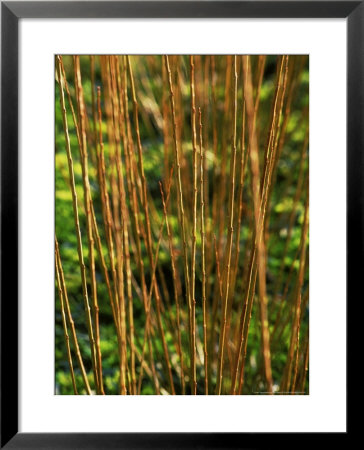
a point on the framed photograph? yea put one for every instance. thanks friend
(181, 221)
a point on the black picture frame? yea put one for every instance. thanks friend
(11, 12)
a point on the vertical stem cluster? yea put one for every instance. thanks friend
(187, 182)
